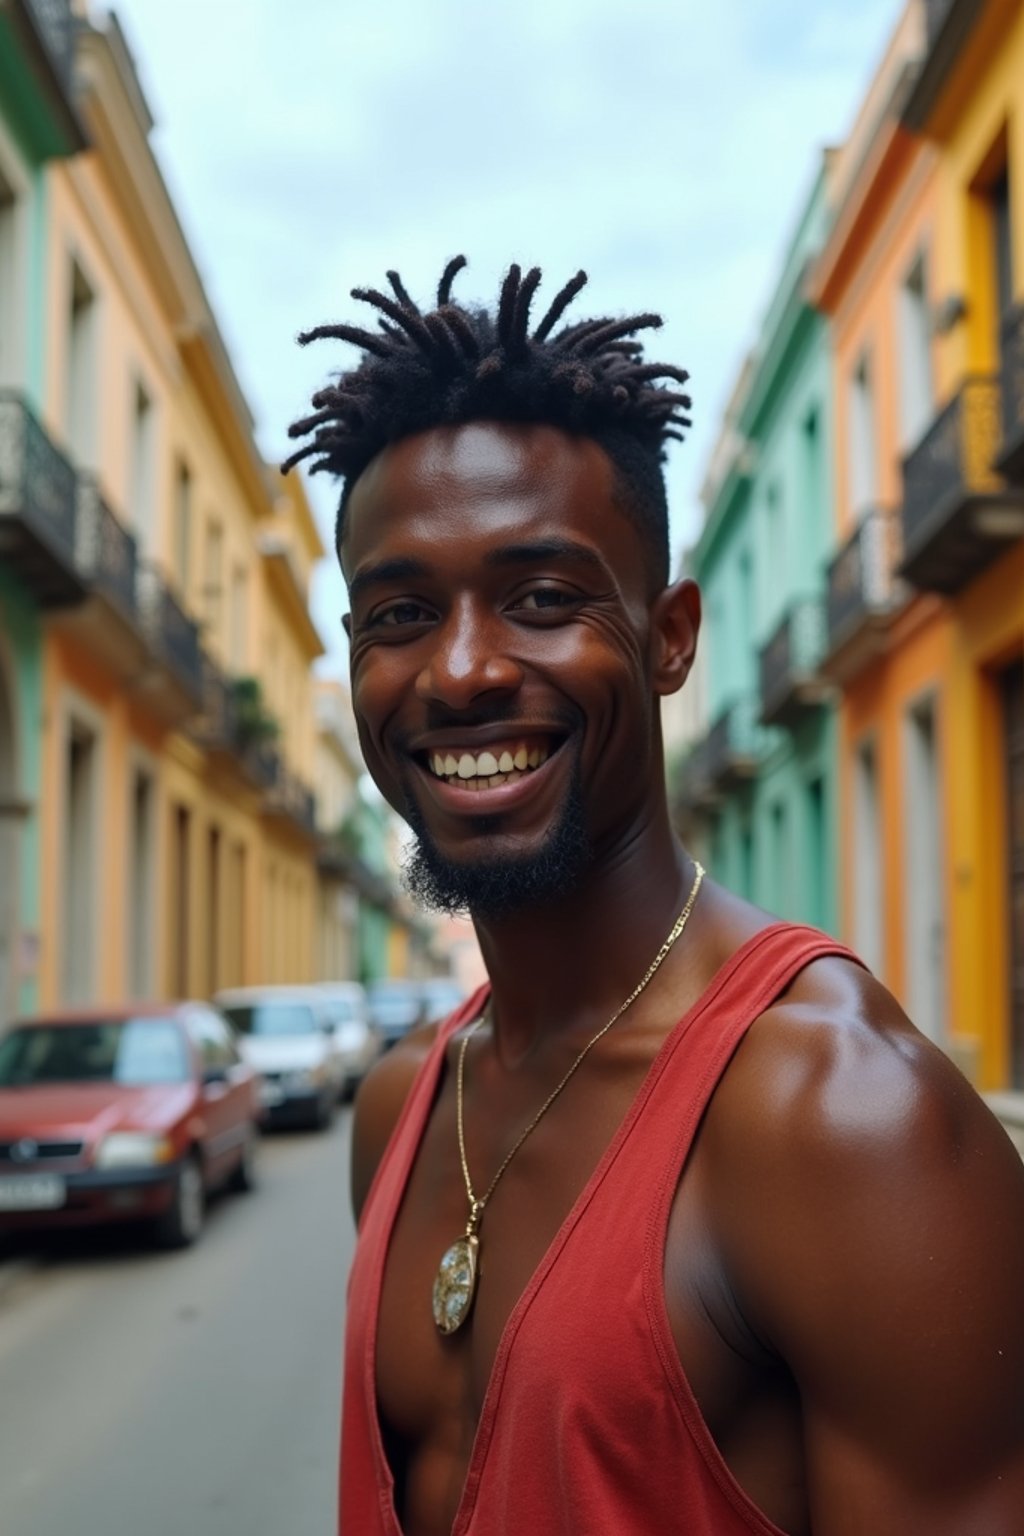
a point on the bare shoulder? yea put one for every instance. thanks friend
(869, 1212)
(379, 1104)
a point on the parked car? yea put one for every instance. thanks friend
(357, 1042)
(121, 1114)
(287, 1035)
(396, 1006)
(440, 995)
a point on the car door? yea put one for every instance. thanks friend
(226, 1090)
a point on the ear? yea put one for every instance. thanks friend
(675, 625)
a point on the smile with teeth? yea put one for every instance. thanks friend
(486, 770)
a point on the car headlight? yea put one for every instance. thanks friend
(133, 1149)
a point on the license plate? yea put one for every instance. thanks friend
(32, 1192)
(271, 1094)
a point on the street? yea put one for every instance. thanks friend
(149, 1394)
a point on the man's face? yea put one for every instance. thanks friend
(500, 677)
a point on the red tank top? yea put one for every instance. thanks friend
(588, 1427)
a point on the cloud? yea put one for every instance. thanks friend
(664, 146)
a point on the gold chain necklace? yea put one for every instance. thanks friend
(457, 1273)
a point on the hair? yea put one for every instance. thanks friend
(453, 364)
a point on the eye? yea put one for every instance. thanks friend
(406, 612)
(543, 598)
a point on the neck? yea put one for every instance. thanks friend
(568, 965)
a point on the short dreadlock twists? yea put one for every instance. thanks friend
(454, 364)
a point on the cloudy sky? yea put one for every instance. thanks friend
(664, 145)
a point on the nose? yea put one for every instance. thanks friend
(467, 661)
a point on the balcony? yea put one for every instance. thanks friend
(288, 798)
(792, 683)
(37, 508)
(216, 729)
(957, 515)
(174, 681)
(108, 622)
(864, 594)
(1011, 379)
(729, 755)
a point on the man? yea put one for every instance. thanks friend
(680, 1225)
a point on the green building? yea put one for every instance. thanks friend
(761, 783)
(37, 125)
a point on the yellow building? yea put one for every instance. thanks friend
(963, 508)
(177, 829)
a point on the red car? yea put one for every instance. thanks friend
(122, 1114)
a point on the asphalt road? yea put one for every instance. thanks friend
(188, 1394)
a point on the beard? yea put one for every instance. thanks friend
(500, 885)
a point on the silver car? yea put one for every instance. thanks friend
(357, 1041)
(287, 1035)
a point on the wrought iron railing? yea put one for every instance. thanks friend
(1011, 376)
(735, 744)
(956, 454)
(861, 578)
(171, 634)
(37, 484)
(793, 653)
(105, 552)
(288, 795)
(55, 24)
(217, 725)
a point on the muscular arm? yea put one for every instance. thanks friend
(872, 1220)
(378, 1105)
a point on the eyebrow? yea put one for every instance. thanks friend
(385, 571)
(405, 569)
(547, 549)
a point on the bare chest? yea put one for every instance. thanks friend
(432, 1389)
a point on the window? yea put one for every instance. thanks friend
(141, 511)
(867, 862)
(862, 470)
(1002, 241)
(213, 580)
(924, 927)
(182, 526)
(238, 623)
(11, 305)
(80, 873)
(179, 905)
(140, 886)
(915, 360)
(81, 382)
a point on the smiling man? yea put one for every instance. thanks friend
(679, 1225)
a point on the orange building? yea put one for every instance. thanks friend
(926, 592)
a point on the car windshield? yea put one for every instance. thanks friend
(133, 1052)
(272, 1018)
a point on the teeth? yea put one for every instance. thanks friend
(486, 770)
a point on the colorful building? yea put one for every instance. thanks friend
(962, 510)
(888, 648)
(762, 779)
(38, 125)
(174, 722)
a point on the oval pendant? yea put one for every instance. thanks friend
(455, 1285)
